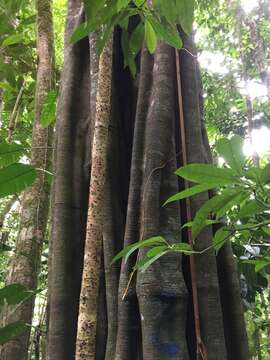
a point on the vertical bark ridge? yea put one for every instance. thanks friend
(161, 290)
(70, 193)
(207, 280)
(128, 318)
(231, 302)
(117, 182)
(232, 307)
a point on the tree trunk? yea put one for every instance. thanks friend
(232, 307)
(71, 188)
(34, 211)
(148, 316)
(259, 54)
(87, 322)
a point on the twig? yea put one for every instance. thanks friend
(12, 120)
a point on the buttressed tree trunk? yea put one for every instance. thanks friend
(34, 210)
(153, 318)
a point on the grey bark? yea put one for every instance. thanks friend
(34, 210)
(70, 193)
(208, 288)
(154, 320)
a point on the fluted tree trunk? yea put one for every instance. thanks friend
(152, 318)
(25, 263)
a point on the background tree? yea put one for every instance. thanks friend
(25, 264)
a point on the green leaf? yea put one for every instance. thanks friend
(122, 4)
(265, 175)
(6, 86)
(221, 236)
(156, 250)
(129, 59)
(207, 174)
(139, 2)
(182, 247)
(81, 32)
(11, 331)
(108, 28)
(260, 264)
(167, 32)
(266, 230)
(13, 39)
(10, 153)
(232, 152)
(28, 21)
(150, 37)
(49, 109)
(92, 7)
(136, 39)
(250, 208)
(12, 7)
(128, 250)
(212, 205)
(253, 173)
(167, 9)
(185, 12)
(103, 17)
(207, 223)
(189, 192)
(144, 264)
(238, 200)
(14, 294)
(7, 72)
(5, 27)
(15, 178)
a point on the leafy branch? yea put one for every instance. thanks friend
(156, 20)
(242, 194)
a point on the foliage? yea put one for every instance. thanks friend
(241, 206)
(17, 67)
(14, 295)
(223, 72)
(14, 177)
(160, 248)
(155, 20)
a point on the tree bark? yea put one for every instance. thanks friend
(70, 198)
(207, 279)
(232, 307)
(34, 210)
(87, 322)
(154, 319)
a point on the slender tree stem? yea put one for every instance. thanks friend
(12, 120)
(87, 322)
